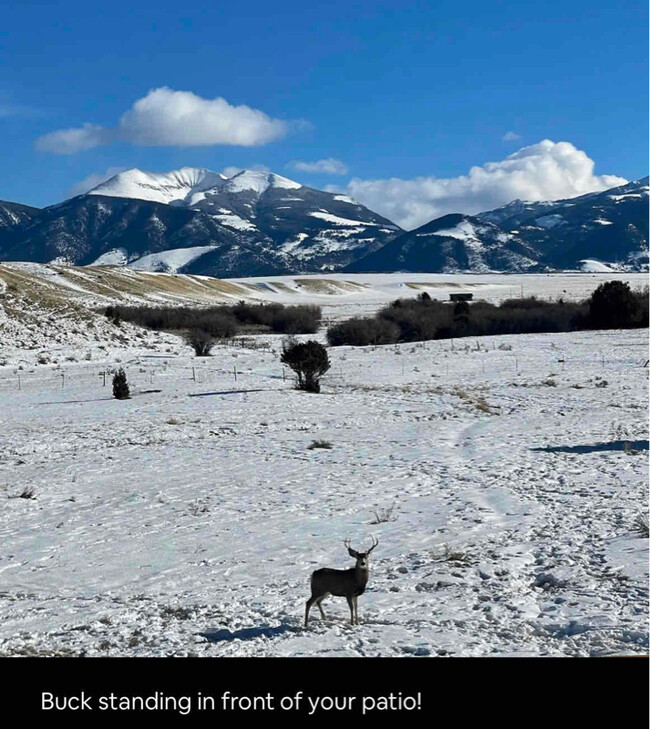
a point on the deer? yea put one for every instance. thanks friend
(343, 583)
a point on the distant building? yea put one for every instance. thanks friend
(460, 297)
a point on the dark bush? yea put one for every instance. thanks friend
(421, 319)
(309, 361)
(613, 306)
(643, 300)
(361, 332)
(120, 385)
(296, 320)
(201, 342)
(530, 302)
(416, 320)
(222, 321)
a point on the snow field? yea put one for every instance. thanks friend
(187, 520)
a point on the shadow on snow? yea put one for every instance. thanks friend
(264, 631)
(613, 445)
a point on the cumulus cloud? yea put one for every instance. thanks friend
(93, 179)
(511, 137)
(329, 166)
(165, 117)
(543, 171)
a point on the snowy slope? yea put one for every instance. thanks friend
(504, 477)
(187, 520)
(610, 227)
(178, 186)
(452, 243)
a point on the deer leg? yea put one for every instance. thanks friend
(351, 606)
(310, 602)
(356, 609)
(320, 608)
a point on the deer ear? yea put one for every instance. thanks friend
(352, 553)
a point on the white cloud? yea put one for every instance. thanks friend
(511, 137)
(165, 117)
(543, 171)
(94, 179)
(70, 141)
(231, 171)
(329, 166)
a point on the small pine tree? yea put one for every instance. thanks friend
(613, 306)
(309, 361)
(120, 385)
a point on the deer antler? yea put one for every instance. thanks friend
(375, 542)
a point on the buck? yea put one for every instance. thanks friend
(342, 583)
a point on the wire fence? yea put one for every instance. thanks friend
(417, 361)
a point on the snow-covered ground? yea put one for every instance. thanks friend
(507, 475)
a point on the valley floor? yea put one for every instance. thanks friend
(507, 474)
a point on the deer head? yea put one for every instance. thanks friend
(361, 557)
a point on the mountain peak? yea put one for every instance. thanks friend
(164, 187)
(258, 181)
(187, 185)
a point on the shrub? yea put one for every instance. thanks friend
(642, 526)
(201, 342)
(296, 320)
(309, 361)
(383, 516)
(417, 321)
(360, 332)
(222, 321)
(120, 385)
(613, 306)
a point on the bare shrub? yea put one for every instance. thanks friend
(641, 525)
(385, 515)
(449, 555)
(319, 444)
(201, 342)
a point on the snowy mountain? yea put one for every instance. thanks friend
(176, 187)
(257, 223)
(93, 229)
(197, 221)
(610, 227)
(14, 214)
(304, 228)
(451, 244)
(599, 231)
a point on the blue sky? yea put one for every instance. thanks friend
(419, 91)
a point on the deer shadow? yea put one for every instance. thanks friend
(221, 635)
(613, 445)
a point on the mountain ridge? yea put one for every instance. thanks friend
(250, 223)
(194, 220)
